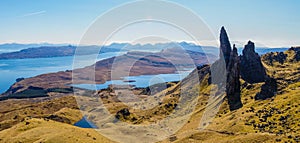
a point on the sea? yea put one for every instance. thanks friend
(12, 69)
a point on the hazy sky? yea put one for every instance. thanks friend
(273, 23)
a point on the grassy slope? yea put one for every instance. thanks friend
(63, 109)
(48, 131)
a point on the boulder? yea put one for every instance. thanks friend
(123, 114)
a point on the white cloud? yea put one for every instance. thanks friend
(34, 13)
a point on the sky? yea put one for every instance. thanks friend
(270, 23)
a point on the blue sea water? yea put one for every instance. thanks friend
(12, 69)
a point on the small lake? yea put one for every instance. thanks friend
(15, 68)
(84, 123)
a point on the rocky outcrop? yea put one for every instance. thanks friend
(248, 66)
(297, 53)
(280, 57)
(268, 90)
(225, 47)
(292, 55)
(123, 114)
(228, 66)
(233, 84)
(252, 70)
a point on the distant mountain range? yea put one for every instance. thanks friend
(22, 51)
(13, 47)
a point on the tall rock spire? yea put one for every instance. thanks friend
(225, 47)
(252, 69)
(226, 72)
(233, 85)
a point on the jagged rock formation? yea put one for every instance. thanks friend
(232, 72)
(252, 70)
(248, 66)
(233, 85)
(225, 47)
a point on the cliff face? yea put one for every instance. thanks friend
(252, 70)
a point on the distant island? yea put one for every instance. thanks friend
(52, 51)
(41, 52)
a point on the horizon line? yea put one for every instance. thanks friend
(142, 44)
